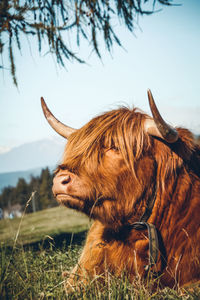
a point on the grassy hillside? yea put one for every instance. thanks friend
(38, 226)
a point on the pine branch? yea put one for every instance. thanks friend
(49, 20)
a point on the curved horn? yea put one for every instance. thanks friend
(59, 127)
(158, 127)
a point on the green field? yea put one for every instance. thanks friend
(37, 248)
(37, 227)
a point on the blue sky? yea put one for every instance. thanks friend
(164, 55)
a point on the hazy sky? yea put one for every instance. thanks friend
(164, 55)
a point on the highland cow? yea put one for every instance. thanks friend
(139, 180)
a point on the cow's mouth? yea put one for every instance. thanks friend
(68, 196)
(61, 195)
(70, 201)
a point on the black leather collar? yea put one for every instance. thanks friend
(153, 242)
(152, 232)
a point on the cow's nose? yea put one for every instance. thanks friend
(66, 179)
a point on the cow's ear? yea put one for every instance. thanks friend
(157, 126)
(58, 126)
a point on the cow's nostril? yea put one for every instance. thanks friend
(66, 179)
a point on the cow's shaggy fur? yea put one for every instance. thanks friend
(114, 169)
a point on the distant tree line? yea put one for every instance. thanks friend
(21, 193)
(41, 184)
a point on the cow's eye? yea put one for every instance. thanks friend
(115, 148)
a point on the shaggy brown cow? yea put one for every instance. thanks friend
(126, 171)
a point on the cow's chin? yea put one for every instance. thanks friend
(70, 201)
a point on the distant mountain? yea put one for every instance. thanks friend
(11, 178)
(32, 155)
(29, 159)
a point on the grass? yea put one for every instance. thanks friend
(38, 226)
(34, 274)
(37, 275)
(30, 272)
